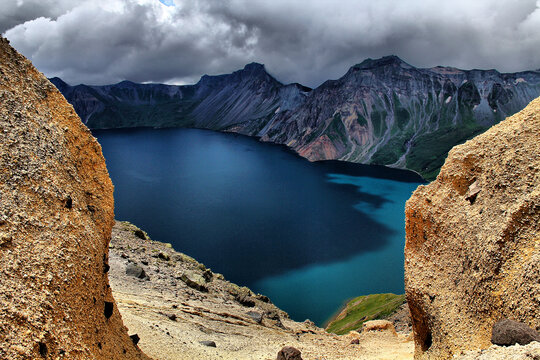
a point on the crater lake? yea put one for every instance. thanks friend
(309, 236)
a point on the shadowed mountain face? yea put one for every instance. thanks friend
(382, 111)
(249, 95)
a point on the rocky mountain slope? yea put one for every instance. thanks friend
(472, 254)
(182, 310)
(56, 215)
(382, 111)
(216, 102)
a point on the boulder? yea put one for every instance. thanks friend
(56, 215)
(508, 332)
(136, 271)
(255, 316)
(472, 253)
(194, 280)
(289, 353)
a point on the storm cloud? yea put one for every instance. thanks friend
(106, 41)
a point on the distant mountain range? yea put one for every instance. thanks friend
(381, 111)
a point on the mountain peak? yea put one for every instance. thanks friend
(254, 66)
(126, 83)
(59, 83)
(389, 60)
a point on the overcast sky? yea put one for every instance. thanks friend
(177, 41)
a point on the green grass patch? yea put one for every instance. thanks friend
(361, 120)
(336, 130)
(362, 309)
(378, 120)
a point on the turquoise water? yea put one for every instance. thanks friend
(308, 235)
(322, 289)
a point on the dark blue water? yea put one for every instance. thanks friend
(308, 235)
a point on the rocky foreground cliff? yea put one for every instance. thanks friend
(56, 215)
(381, 111)
(472, 255)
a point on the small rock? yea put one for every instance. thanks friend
(208, 343)
(272, 314)
(309, 323)
(255, 316)
(178, 258)
(208, 275)
(135, 338)
(473, 191)
(194, 280)
(245, 300)
(509, 332)
(263, 298)
(379, 325)
(289, 353)
(355, 341)
(136, 271)
(220, 276)
(279, 324)
(164, 256)
(172, 317)
(140, 234)
(5, 238)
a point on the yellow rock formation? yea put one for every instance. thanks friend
(472, 254)
(56, 215)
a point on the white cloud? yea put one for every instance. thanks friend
(104, 41)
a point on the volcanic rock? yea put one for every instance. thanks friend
(472, 261)
(136, 271)
(56, 215)
(508, 332)
(255, 316)
(289, 353)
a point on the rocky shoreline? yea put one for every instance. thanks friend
(179, 309)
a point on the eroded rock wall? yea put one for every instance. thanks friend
(472, 254)
(56, 215)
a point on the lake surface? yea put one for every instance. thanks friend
(308, 235)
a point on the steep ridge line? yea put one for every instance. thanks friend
(381, 111)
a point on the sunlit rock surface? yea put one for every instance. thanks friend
(472, 255)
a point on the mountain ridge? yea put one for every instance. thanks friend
(382, 111)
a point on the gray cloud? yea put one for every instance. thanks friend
(105, 41)
(16, 12)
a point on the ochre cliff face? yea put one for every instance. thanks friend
(56, 215)
(472, 254)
